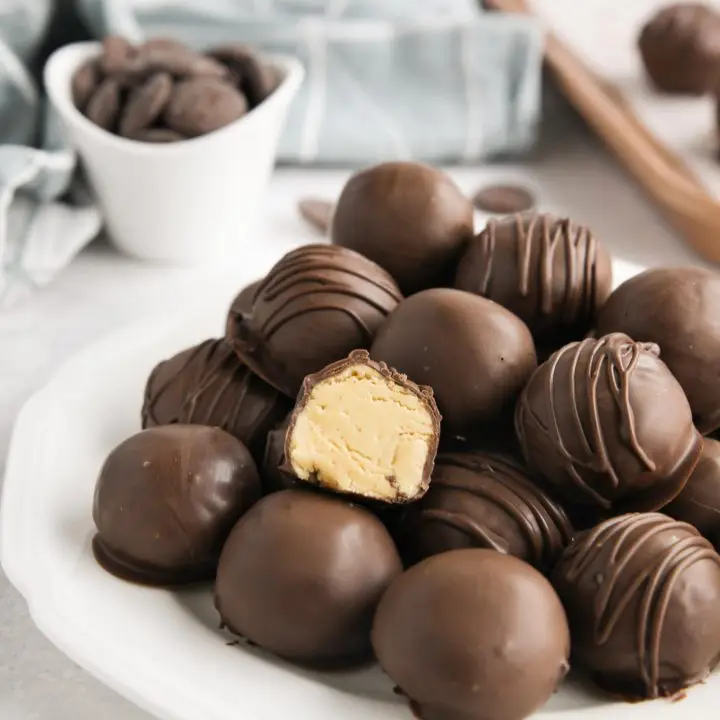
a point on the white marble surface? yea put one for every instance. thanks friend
(101, 291)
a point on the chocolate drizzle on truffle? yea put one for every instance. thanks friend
(208, 385)
(288, 286)
(316, 305)
(551, 272)
(578, 421)
(645, 591)
(492, 501)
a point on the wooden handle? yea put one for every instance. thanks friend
(662, 173)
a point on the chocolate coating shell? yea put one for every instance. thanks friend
(409, 218)
(488, 501)
(316, 304)
(680, 48)
(552, 273)
(208, 385)
(165, 501)
(274, 469)
(301, 576)
(607, 424)
(642, 594)
(699, 501)
(473, 353)
(241, 305)
(679, 309)
(472, 635)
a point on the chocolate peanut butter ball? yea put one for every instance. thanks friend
(472, 635)
(208, 385)
(409, 218)
(679, 309)
(361, 428)
(316, 304)
(485, 500)
(473, 353)
(642, 594)
(680, 48)
(166, 500)
(550, 272)
(301, 576)
(699, 502)
(605, 423)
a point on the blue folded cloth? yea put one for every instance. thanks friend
(437, 80)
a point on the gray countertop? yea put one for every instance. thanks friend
(102, 291)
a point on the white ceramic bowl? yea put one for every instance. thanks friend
(188, 202)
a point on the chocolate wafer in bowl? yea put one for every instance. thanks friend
(167, 196)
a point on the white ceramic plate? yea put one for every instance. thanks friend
(164, 650)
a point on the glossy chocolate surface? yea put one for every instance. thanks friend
(473, 353)
(699, 501)
(679, 309)
(409, 218)
(607, 424)
(301, 576)
(642, 594)
(316, 304)
(485, 500)
(503, 199)
(472, 635)
(208, 385)
(550, 272)
(165, 501)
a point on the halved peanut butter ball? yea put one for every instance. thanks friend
(361, 428)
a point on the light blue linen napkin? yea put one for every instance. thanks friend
(438, 80)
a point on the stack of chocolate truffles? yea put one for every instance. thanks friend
(417, 426)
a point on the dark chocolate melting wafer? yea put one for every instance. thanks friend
(256, 79)
(503, 199)
(317, 213)
(361, 428)
(203, 104)
(170, 56)
(85, 82)
(118, 56)
(103, 108)
(158, 135)
(145, 104)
